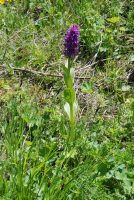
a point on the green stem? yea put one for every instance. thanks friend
(71, 113)
(68, 77)
(72, 123)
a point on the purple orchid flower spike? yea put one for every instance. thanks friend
(71, 41)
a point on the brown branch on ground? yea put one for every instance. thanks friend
(37, 73)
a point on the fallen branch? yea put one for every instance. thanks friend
(37, 73)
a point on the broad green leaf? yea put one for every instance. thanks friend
(108, 30)
(67, 109)
(120, 176)
(87, 87)
(66, 63)
(75, 107)
(28, 143)
(126, 88)
(69, 95)
(67, 78)
(113, 19)
(72, 73)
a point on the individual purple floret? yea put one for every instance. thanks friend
(71, 41)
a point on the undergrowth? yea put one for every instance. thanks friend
(36, 161)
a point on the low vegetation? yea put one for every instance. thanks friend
(38, 160)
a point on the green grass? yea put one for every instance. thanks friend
(36, 161)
